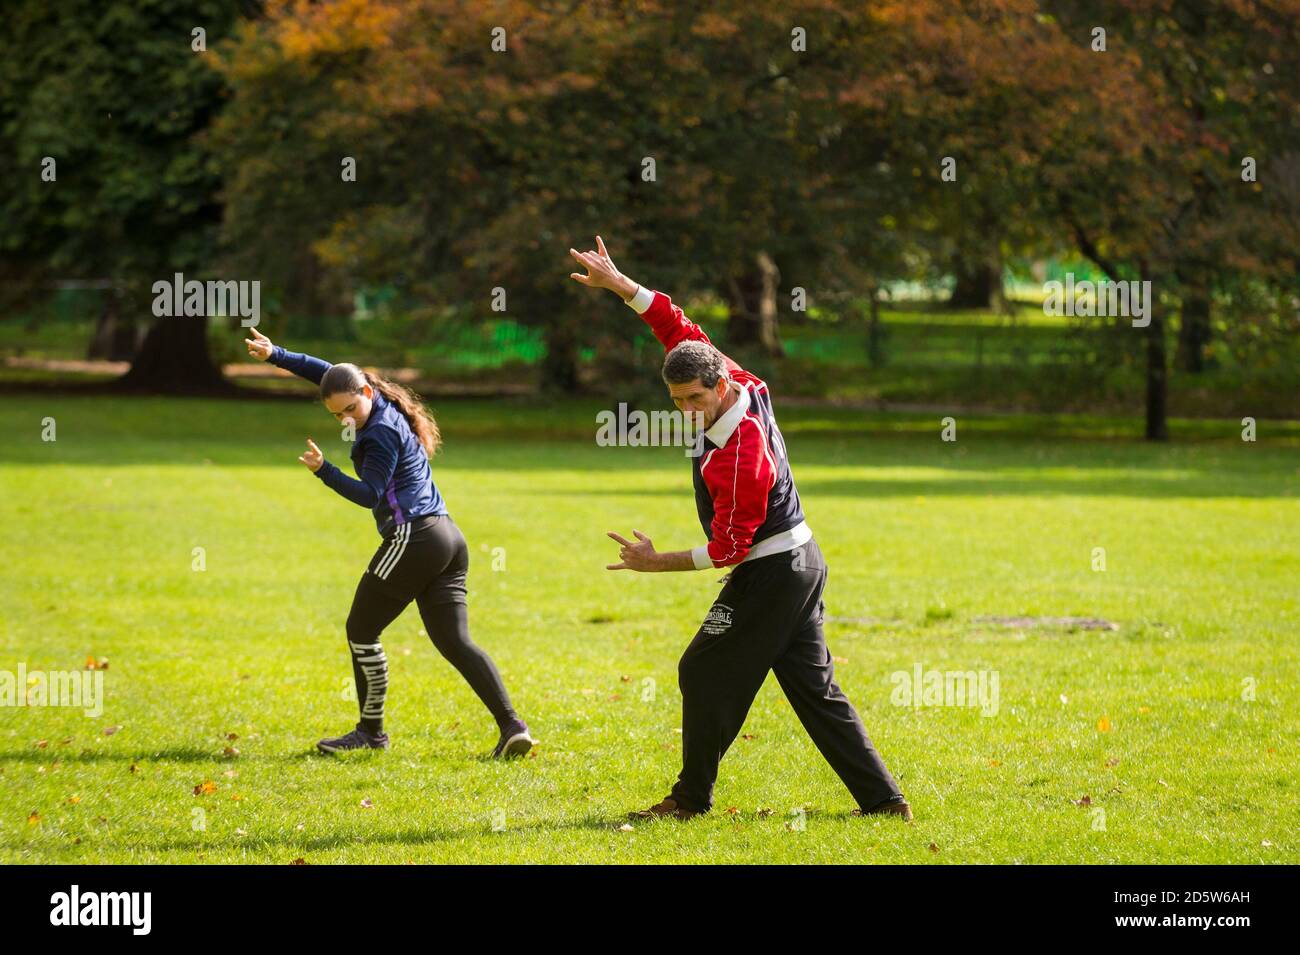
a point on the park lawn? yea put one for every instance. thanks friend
(1170, 739)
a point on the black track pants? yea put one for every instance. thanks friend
(427, 561)
(769, 617)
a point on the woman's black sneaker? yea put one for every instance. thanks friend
(357, 739)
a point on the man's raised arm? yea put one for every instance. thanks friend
(666, 320)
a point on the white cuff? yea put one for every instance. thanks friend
(700, 555)
(642, 300)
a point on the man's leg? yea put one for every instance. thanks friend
(807, 675)
(724, 667)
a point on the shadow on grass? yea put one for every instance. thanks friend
(1199, 484)
(412, 836)
(433, 835)
(561, 435)
(179, 754)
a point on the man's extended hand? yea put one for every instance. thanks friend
(601, 271)
(643, 556)
(638, 556)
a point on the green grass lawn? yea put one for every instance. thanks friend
(1128, 745)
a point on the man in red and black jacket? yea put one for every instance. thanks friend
(769, 613)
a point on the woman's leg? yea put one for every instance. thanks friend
(446, 619)
(373, 609)
(448, 627)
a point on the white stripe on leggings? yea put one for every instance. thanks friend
(401, 537)
(392, 546)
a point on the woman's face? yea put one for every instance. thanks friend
(355, 406)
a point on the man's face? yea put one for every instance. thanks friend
(693, 397)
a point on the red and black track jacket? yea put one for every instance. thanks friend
(745, 495)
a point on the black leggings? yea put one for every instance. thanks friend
(425, 560)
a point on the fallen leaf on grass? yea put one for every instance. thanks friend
(1085, 801)
(110, 730)
(33, 819)
(934, 847)
(204, 788)
(1103, 725)
(626, 827)
(367, 804)
(299, 861)
(73, 800)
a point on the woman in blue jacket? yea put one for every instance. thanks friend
(423, 556)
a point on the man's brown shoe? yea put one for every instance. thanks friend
(668, 807)
(896, 808)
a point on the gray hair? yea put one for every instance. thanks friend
(694, 359)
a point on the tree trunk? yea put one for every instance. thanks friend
(116, 337)
(752, 308)
(875, 336)
(174, 359)
(979, 283)
(560, 365)
(1157, 424)
(1194, 326)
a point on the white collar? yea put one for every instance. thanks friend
(720, 431)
